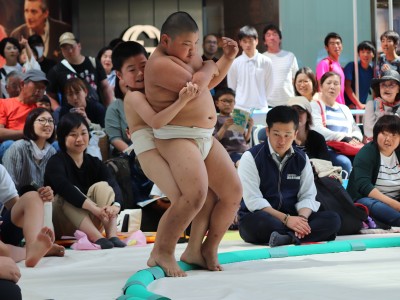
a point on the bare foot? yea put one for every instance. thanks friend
(167, 263)
(39, 247)
(56, 250)
(194, 258)
(211, 258)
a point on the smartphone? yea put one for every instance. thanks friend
(35, 185)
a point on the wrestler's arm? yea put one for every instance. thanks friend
(137, 101)
(230, 49)
(173, 79)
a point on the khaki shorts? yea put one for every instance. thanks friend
(67, 218)
(142, 140)
(202, 136)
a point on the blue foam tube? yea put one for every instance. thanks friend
(136, 285)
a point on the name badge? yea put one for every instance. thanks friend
(293, 176)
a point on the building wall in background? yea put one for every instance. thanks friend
(305, 23)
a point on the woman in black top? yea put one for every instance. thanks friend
(87, 196)
(308, 140)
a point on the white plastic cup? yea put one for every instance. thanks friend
(48, 215)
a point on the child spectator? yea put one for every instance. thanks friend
(233, 141)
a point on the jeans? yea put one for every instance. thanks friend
(341, 160)
(3, 148)
(257, 227)
(381, 211)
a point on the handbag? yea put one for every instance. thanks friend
(345, 148)
(338, 146)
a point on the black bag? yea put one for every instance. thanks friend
(121, 170)
(333, 197)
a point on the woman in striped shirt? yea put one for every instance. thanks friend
(333, 120)
(375, 179)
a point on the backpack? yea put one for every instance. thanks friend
(333, 197)
(121, 170)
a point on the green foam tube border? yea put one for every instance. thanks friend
(136, 285)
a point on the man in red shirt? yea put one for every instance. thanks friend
(13, 111)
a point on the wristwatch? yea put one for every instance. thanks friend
(116, 204)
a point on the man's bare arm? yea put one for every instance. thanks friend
(10, 134)
(136, 101)
(230, 49)
(108, 93)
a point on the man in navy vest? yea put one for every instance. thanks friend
(279, 205)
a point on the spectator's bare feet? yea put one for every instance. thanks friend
(194, 258)
(211, 258)
(39, 247)
(56, 250)
(167, 263)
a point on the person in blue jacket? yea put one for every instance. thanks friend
(279, 205)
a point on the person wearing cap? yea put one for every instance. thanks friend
(37, 21)
(308, 140)
(35, 41)
(75, 64)
(279, 205)
(13, 111)
(386, 102)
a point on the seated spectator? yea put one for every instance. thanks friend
(26, 159)
(13, 111)
(36, 42)
(388, 60)
(87, 196)
(104, 57)
(28, 57)
(233, 141)
(76, 93)
(333, 120)
(386, 102)
(45, 103)
(374, 180)
(305, 83)
(308, 140)
(366, 52)
(9, 276)
(10, 50)
(23, 218)
(279, 205)
(115, 121)
(13, 84)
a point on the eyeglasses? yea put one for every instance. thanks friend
(227, 101)
(388, 86)
(212, 42)
(299, 82)
(44, 122)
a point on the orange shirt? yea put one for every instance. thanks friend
(13, 113)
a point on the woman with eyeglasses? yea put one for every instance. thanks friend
(335, 121)
(305, 83)
(386, 102)
(26, 159)
(87, 196)
(374, 181)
